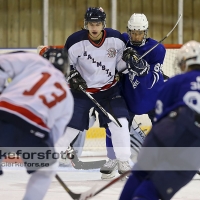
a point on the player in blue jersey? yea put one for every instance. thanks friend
(95, 53)
(161, 172)
(140, 86)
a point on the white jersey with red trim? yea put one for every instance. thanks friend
(97, 63)
(38, 93)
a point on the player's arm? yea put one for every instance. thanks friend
(137, 66)
(121, 64)
(3, 78)
(74, 79)
(151, 71)
(156, 63)
(10, 66)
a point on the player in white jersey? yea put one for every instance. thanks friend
(35, 109)
(95, 53)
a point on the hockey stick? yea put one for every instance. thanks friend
(162, 39)
(70, 154)
(90, 193)
(88, 165)
(158, 42)
(72, 194)
(77, 164)
(112, 118)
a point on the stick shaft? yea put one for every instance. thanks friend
(112, 182)
(162, 39)
(111, 117)
(158, 42)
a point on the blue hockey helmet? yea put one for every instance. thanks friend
(95, 14)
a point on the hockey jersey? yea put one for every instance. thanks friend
(180, 90)
(97, 63)
(38, 99)
(140, 92)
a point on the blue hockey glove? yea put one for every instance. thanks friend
(138, 67)
(129, 52)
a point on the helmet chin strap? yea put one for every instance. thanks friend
(139, 44)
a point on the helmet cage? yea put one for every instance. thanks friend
(59, 58)
(137, 43)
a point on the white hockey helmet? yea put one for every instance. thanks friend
(138, 22)
(188, 54)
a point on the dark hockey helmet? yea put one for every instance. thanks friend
(95, 14)
(59, 58)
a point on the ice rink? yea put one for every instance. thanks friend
(14, 180)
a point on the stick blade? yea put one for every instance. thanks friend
(88, 165)
(114, 120)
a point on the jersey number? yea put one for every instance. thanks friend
(33, 90)
(192, 100)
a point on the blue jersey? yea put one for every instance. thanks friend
(140, 92)
(181, 90)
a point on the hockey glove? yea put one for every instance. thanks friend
(139, 68)
(136, 66)
(129, 52)
(75, 79)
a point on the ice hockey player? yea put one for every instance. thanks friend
(140, 86)
(95, 53)
(161, 172)
(35, 109)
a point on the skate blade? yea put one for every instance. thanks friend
(109, 176)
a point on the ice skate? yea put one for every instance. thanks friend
(67, 158)
(123, 166)
(109, 169)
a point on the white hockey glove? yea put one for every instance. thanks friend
(75, 79)
(136, 66)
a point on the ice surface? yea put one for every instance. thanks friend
(14, 179)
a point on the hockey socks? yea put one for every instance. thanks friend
(109, 145)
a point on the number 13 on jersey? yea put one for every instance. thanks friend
(36, 87)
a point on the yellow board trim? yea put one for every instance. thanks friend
(99, 133)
